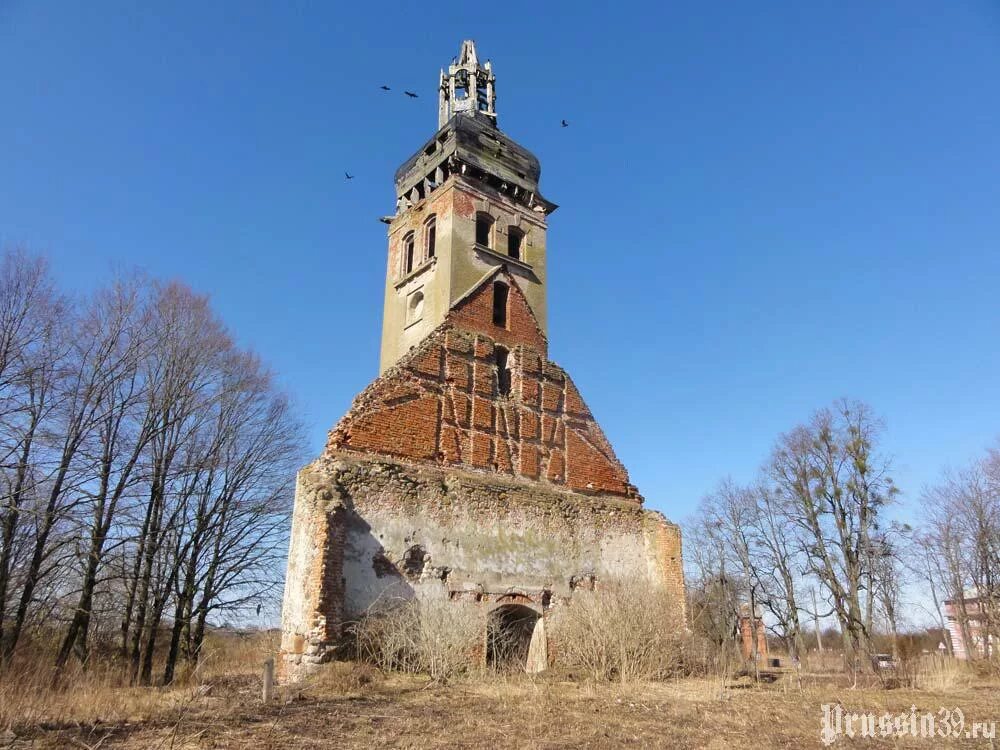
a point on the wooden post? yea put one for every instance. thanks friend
(268, 680)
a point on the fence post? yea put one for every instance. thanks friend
(268, 680)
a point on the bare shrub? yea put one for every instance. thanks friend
(624, 631)
(701, 657)
(427, 635)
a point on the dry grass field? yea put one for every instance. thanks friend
(355, 706)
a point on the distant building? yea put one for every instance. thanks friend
(976, 612)
(752, 632)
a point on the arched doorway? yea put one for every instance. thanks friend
(515, 639)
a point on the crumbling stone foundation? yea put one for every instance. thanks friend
(481, 541)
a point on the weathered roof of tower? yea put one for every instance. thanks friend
(469, 142)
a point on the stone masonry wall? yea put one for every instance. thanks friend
(404, 529)
(313, 604)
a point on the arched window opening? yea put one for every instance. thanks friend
(501, 356)
(408, 253)
(414, 307)
(515, 238)
(500, 295)
(430, 237)
(484, 230)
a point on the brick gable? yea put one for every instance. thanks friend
(474, 312)
(441, 404)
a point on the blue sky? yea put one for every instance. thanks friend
(764, 206)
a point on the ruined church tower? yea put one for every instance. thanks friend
(471, 469)
(467, 203)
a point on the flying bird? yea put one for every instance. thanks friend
(385, 88)
(565, 124)
(410, 94)
(348, 176)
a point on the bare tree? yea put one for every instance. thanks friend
(750, 523)
(962, 535)
(236, 534)
(714, 587)
(30, 351)
(146, 469)
(123, 432)
(836, 485)
(190, 342)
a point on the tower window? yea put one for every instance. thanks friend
(515, 238)
(484, 230)
(430, 237)
(500, 295)
(408, 253)
(503, 373)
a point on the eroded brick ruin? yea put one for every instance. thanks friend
(471, 468)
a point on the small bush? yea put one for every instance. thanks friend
(622, 631)
(429, 635)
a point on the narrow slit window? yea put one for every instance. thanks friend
(500, 294)
(430, 237)
(408, 253)
(484, 230)
(515, 239)
(503, 372)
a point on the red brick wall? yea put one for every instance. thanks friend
(475, 313)
(440, 404)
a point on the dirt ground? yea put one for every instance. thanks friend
(351, 708)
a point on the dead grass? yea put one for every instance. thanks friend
(32, 694)
(352, 706)
(940, 673)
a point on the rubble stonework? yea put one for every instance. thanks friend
(471, 469)
(484, 540)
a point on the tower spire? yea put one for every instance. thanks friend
(468, 88)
